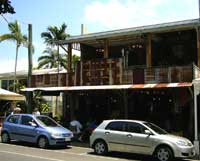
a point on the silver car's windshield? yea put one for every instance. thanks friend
(46, 121)
(155, 128)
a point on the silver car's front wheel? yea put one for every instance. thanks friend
(100, 147)
(43, 142)
(164, 154)
(5, 138)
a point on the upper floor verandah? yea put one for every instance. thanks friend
(147, 54)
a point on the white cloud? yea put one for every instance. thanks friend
(114, 14)
(9, 65)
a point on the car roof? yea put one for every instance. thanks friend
(25, 114)
(125, 120)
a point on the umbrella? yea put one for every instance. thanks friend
(8, 95)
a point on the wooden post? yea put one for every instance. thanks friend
(148, 51)
(125, 100)
(30, 65)
(198, 47)
(106, 45)
(69, 68)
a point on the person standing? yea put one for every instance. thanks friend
(76, 127)
(36, 111)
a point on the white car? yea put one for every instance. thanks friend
(139, 137)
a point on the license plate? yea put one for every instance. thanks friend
(67, 139)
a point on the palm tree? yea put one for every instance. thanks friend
(51, 59)
(54, 34)
(17, 36)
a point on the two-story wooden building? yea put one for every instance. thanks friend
(138, 73)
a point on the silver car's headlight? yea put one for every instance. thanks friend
(56, 135)
(183, 143)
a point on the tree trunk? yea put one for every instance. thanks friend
(16, 57)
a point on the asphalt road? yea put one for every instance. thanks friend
(24, 152)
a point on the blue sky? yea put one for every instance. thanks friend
(96, 15)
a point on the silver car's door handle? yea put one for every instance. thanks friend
(107, 133)
(129, 135)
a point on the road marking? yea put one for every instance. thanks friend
(27, 155)
(86, 154)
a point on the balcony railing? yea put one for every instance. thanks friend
(113, 71)
(171, 74)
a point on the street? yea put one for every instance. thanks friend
(24, 152)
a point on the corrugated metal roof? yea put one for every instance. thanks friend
(157, 28)
(24, 73)
(110, 87)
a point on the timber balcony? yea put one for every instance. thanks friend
(114, 71)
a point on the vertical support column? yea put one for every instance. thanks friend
(69, 68)
(71, 105)
(196, 139)
(81, 73)
(110, 72)
(120, 65)
(125, 96)
(148, 51)
(106, 45)
(198, 47)
(29, 95)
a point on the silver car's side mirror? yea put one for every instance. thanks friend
(147, 132)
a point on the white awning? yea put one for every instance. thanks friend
(8, 95)
(109, 87)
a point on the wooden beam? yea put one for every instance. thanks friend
(69, 63)
(148, 51)
(106, 45)
(198, 47)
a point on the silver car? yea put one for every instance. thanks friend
(139, 137)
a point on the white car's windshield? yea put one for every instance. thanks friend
(46, 121)
(155, 128)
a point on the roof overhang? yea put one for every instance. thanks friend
(130, 32)
(108, 87)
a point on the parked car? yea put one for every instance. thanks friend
(38, 129)
(139, 137)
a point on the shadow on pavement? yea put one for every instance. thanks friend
(20, 143)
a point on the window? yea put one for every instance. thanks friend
(45, 121)
(14, 119)
(117, 126)
(135, 127)
(26, 120)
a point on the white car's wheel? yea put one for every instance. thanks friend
(100, 147)
(43, 142)
(5, 138)
(164, 153)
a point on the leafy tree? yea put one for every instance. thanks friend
(39, 102)
(54, 34)
(5, 7)
(17, 36)
(51, 59)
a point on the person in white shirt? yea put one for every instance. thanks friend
(36, 111)
(76, 127)
(75, 124)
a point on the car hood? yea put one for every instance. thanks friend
(58, 129)
(173, 138)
